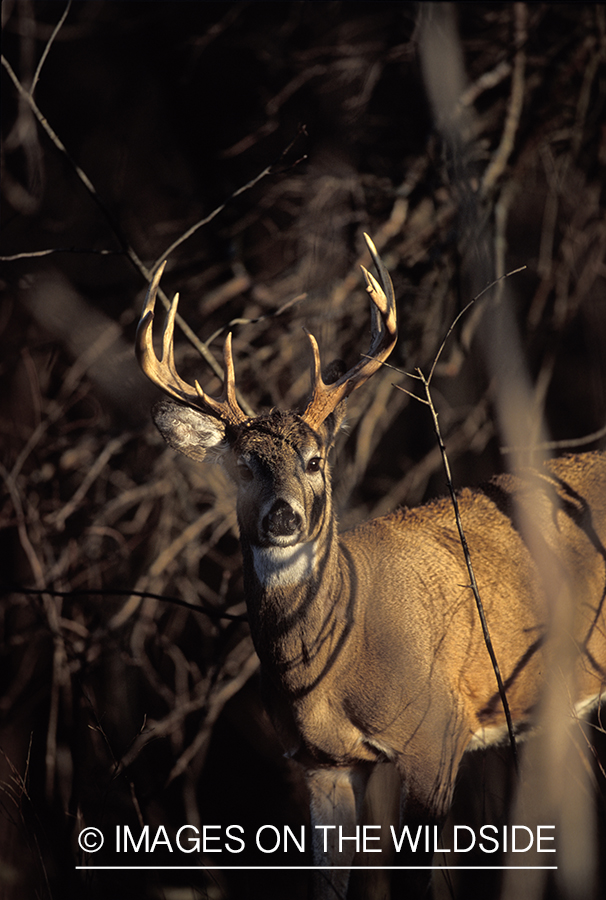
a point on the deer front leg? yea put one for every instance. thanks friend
(336, 797)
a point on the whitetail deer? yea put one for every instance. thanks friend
(370, 644)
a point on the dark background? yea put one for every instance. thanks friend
(117, 710)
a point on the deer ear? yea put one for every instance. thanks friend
(333, 423)
(188, 430)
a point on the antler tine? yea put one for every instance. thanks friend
(226, 406)
(326, 397)
(163, 373)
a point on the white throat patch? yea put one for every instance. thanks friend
(284, 566)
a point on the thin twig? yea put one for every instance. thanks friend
(59, 518)
(263, 318)
(113, 224)
(215, 707)
(49, 44)
(462, 313)
(110, 592)
(563, 444)
(26, 544)
(420, 377)
(428, 400)
(470, 570)
(81, 174)
(268, 170)
(187, 234)
(516, 102)
(127, 249)
(50, 251)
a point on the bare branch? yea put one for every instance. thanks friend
(49, 44)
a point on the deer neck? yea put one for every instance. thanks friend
(298, 608)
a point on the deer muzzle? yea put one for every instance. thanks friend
(282, 521)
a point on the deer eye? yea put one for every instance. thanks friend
(244, 471)
(314, 464)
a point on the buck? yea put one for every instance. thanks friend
(370, 644)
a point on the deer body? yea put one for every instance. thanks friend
(370, 643)
(383, 641)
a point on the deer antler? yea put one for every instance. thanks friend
(163, 372)
(326, 397)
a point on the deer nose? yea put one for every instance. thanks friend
(282, 520)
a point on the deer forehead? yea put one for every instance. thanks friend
(277, 438)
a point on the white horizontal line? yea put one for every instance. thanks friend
(318, 868)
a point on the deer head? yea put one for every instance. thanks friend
(278, 459)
